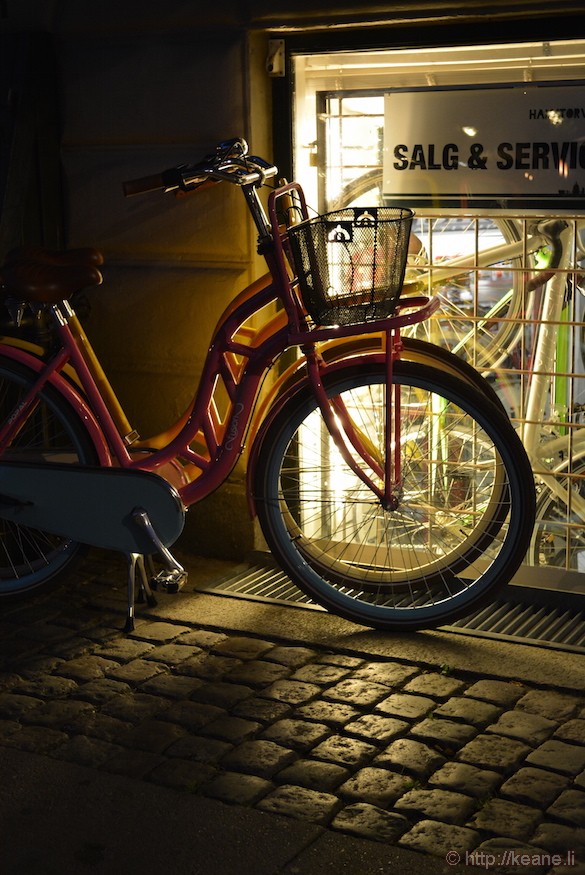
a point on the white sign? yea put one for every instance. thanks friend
(521, 146)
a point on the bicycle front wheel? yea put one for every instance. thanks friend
(462, 515)
(31, 560)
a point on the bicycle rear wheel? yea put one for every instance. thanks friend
(558, 539)
(464, 509)
(32, 560)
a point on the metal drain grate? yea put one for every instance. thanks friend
(542, 625)
(263, 582)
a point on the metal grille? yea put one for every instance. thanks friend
(543, 625)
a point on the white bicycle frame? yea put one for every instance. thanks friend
(550, 458)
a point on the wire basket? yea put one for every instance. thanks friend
(350, 263)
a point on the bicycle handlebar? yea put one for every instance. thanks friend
(229, 163)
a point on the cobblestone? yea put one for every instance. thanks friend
(375, 786)
(440, 839)
(468, 710)
(569, 808)
(560, 838)
(375, 728)
(202, 750)
(299, 735)
(231, 729)
(193, 715)
(158, 632)
(14, 706)
(100, 691)
(410, 757)
(86, 668)
(243, 648)
(135, 672)
(463, 778)
(384, 749)
(171, 686)
(237, 789)
(37, 739)
(446, 734)
(530, 728)
(263, 758)
(207, 666)
(573, 731)
(358, 692)
(69, 716)
(134, 708)
(50, 687)
(291, 692)
(125, 649)
(407, 706)
(257, 673)
(498, 692)
(389, 674)
(314, 774)
(549, 703)
(504, 818)
(320, 674)
(559, 756)
(345, 751)
(369, 822)
(332, 713)
(301, 803)
(444, 805)
(172, 654)
(511, 855)
(435, 685)
(223, 695)
(261, 710)
(291, 656)
(494, 752)
(534, 786)
(107, 728)
(153, 735)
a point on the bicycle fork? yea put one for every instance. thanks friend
(348, 436)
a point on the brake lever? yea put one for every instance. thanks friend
(238, 144)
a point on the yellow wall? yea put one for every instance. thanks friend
(143, 87)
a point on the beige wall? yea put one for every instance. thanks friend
(134, 105)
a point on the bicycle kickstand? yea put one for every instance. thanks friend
(136, 560)
(172, 578)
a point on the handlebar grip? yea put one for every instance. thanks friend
(144, 184)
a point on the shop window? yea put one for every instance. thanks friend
(495, 316)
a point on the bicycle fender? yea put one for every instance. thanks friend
(62, 385)
(342, 348)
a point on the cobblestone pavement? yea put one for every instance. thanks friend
(433, 760)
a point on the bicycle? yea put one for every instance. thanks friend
(481, 332)
(394, 492)
(549, 423)
(507, 339)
